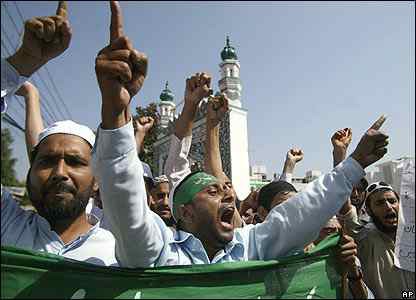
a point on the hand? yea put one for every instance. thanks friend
(120, 71)
(251, 202)
(143, 125)
(346, 253)
(372, 145)
(216, 110)
(141, 128)
(26, 89)
(294, 155)
(197, 88)
(44, 38)
(249, 217)
(341, 139)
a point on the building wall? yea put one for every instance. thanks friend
(389, 172)
(240, 169)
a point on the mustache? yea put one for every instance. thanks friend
(59, 187)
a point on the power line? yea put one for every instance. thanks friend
(46, 103)
(58, 93)
(14, 24)
(16, 113)
(13, 130)
(18, 10)
(4, 33)
(12, 122)
(8, 53)
(46, 68)
(38, 73)
(45, 109)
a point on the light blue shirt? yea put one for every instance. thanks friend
(28, 230)
(143, 239)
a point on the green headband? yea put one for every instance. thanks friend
(192, 185)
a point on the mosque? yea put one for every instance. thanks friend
(233, 131)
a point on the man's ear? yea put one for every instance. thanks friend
(368, 209)
(262, 212)
(95, 186)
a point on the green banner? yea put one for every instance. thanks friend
(30, 274)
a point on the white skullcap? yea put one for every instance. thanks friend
(68, 127)
(161, 179)
(147, 172)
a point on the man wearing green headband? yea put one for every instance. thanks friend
(202, 205)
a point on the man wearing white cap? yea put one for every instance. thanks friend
(376, 243)
(160, 196)
(59, 184)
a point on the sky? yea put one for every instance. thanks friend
(307, 68)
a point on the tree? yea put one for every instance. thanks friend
(8, 173)
(151, 137)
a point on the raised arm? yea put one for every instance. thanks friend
(177, 163)
(141, 127)
(121, 71)
(297, 222)
(216, 110)
(293, 156)
(33, 120)
(340, 141)
(44, 38)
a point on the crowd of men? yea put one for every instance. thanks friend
(97, 202)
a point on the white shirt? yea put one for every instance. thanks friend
(28, 230)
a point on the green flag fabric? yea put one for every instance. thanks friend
(31, 274)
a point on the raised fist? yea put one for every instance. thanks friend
(216, 109)
(143, 124)
(295, 155)
(342, 139)
(197, 88)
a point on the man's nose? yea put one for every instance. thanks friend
(389, 206)
(59, 172)
(226, 190)
(165, 200)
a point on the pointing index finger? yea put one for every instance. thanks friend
(116, 26)
(62, 9)
(377, 124)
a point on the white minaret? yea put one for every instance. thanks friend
(230, 84)
(166, 107)
(230, 74)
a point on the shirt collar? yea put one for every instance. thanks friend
(181, 236)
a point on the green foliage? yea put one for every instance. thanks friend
(151, 137)
(8, 173)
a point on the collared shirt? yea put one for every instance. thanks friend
(11, 81)
(143, 239)
(376, 253)
(28, 230)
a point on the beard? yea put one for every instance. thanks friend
(383, 228)
(169, 221)
(56, 210)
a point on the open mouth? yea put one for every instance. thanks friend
(227, 215)
(391, 218)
